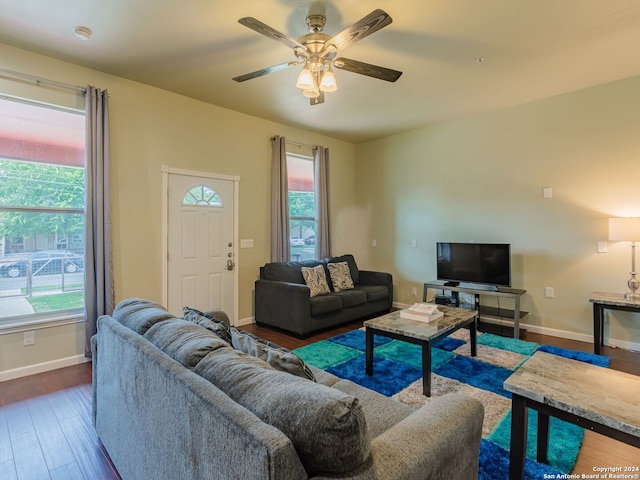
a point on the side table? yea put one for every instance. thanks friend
(612, 301)
(595, 398)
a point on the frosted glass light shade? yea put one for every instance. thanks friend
(624, 229)
(311, 92)
(328, 82)
(305, 79)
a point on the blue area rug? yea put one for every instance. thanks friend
(398, 371)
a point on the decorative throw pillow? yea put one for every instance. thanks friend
(278, 357)
(219, 326)
(316, 280)
(340, 276)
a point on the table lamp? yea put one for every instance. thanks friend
(627, 229)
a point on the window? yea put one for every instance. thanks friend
(302, 207)
(41, 211)
(202, 195)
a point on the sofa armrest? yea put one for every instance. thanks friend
(283, 305)
(368, 277)
(441, 440)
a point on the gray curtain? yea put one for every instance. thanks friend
(321, 173)
(280, 249)
(98, 271)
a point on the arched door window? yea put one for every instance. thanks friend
(202, 195)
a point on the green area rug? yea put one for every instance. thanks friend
(398, 374)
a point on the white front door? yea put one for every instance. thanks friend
(200, 236)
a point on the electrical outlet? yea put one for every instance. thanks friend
(414, 291)
(29, 338)
(549, 292)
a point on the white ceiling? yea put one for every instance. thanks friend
(532, 50)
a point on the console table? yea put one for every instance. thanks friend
(612, 301)
(595, 398)
(513, 293)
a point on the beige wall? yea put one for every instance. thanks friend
(151, 128)
(478, 178)
(481, 179)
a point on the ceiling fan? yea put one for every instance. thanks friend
(318, 51)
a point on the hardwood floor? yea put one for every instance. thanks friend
(46, 430)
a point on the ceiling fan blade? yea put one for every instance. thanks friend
(265, 71)
(362, 28)
(272, 33)
(318, 100)
(367, 69)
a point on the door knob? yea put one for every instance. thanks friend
(230, 264)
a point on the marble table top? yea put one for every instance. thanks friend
(599, 394)
(614, 299)
(394, 323)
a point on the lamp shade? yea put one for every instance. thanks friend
(305, 80)
(624, 229)
(328, 82)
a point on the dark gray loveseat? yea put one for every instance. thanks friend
(283, 299)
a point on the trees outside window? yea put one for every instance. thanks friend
(302, 207)
(41, 209)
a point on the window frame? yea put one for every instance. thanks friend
(307, 158)
(21, 323)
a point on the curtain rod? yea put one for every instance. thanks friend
(37, 80)
(311, 147)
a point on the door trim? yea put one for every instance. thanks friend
(166, 171)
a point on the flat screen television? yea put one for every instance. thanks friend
(487, 264)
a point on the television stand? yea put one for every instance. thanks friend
(455, 290)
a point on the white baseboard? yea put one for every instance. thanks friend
(552, 332)
(42, 367)
(245, 321)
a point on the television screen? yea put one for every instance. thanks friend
(482, 263)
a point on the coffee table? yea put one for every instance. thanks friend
(424, 334)
(597, 398)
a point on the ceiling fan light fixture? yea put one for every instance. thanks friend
(311, 92)
(328, 82)
(305, 79)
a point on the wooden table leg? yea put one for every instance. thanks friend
(518, 437)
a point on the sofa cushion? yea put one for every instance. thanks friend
(351, 298)
(215, 324)
(184, 341)
(353, 268)
(286, 271)
(381, 412)
(340, 276)
(139, 315)
(327, 427)
(325, 304)
(316, 280)
(278, 357)
(374, 292)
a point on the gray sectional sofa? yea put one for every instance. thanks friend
(179, 398)
(283, 299)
